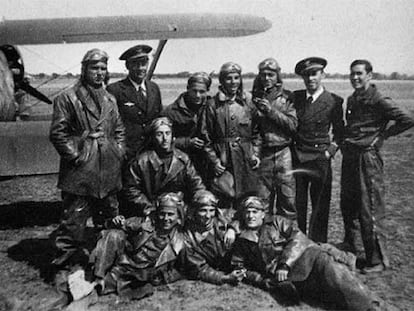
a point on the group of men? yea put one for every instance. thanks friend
(258, 154)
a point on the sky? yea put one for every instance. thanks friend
(340, 31)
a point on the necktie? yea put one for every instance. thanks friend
(142, 93)
(309, 100)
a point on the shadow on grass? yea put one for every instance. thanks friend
(24, 214)
(38, 253)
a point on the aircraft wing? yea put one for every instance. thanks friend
(118, 28)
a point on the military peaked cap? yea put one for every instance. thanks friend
(310, 63)
(137, 51)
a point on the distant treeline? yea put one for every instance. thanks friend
(186, 74)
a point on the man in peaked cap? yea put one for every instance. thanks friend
(317, 110)
(277, 124)
(139, 100)
(185, 113)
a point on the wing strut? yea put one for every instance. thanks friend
(157, 55)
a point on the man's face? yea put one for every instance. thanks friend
(253, 217)
(197, 93)
(163, 137)
(232, 83)
(359, 77)
(137, 68)
(205, 215)
(268, 78)
(95, 73)
(313, 79)
(168, 218)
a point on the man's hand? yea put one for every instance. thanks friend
(219, 169)
(229, 237)
(327, 155)
(235, 276)
(262, 104)
(282, 275)
(254, 162)
(196, 143)
(118, 221)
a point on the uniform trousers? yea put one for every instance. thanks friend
(70, 235)
(315, 177)
(277, 181)
(362, 189)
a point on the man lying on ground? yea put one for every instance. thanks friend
(143, 252)
(207, 253)
(275, 252)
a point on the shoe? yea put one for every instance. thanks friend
(373, 269)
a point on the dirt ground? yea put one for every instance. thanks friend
(30, 209)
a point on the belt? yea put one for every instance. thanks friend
(233, 140)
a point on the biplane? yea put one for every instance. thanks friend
(25, 147)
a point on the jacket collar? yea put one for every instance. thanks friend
(89, 104)
(222, 97)
(368, 93)
(175, 167)
(171, 251)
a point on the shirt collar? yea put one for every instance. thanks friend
(315, 95)
(137, 86)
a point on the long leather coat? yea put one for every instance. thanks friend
(207, 259)
(232, 138)
(315, 119)
(145, 180)
(90, 143)
(136, 111)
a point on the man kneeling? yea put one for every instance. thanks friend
(143, 253)
(274, 251)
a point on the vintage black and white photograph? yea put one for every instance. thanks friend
(206, 155)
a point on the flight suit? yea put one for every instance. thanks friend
(362, 181)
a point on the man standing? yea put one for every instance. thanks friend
(275, 254)
(139, 100)
(362, 185)
(160, 169)
(88, 134)
(277, 123)
(231, 137)
(317, 110)
(143, 252)
(185, 114)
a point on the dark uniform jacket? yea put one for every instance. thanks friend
(147, 179)
(232, 139)
(94, 139)
(279, 243)
(136, 112)
(207, 259)
(277, 126)
(312, 138)
(367, 117)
